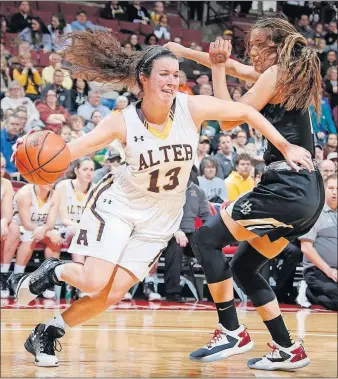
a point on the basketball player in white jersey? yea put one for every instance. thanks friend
(73, 198)
(131, 215)
(35, 211)
(9, 230)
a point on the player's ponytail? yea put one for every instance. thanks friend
(98, 56)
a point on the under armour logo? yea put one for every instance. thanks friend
(246, 207)
(136, 139)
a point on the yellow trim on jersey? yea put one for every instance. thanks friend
(165, 132)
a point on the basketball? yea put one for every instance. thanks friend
(42, 158)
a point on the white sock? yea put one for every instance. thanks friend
(57, 321)
(5, 268)
(19, 269)
(58, 272)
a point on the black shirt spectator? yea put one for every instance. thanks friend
(20, 20)
(304, 27)
(331, 35)
(329, 61)
(137, 13)
(113, 10)
(79, 93)
(63, 95)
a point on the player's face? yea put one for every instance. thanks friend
(85, 172)
(263, 52)
(3, 167)
(331, 193)
(163, 81)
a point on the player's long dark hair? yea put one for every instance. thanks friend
(299, 79)
(98, 56)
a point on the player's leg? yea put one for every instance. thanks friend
(8, 249)
(42, 339)
(246, 264)
(207, 242)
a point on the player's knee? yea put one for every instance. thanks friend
(14, 231)
(93, 284)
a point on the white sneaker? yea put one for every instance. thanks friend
(127, 297)
(48, 294)
(224, 344)
(301, 299)
(281, 358)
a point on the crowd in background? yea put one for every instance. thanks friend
(46, 97)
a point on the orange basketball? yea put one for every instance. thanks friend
(42, 158)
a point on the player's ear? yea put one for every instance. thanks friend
(143, 78)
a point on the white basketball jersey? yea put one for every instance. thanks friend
(75, 201)
(38, 212)
(159, 165)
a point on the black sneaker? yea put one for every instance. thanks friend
(13, 281)
(175, 298)
(149, 292)
(32, 285)
(43, 343)
(3, 285)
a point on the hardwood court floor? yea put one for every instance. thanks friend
(137, 339)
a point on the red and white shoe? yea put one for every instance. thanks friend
(224, 344)
(281, 358)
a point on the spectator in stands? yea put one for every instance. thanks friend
(259, 171)
(23, 49)
(321, 49)
(79, 93)
(331, 145)
(113, 11)
(37, 208)
(9, 230)
(37, 35)
(327, 168)
(95, 118)
(319, 32)
(21, 114)
(133, 40)
(16, 97)
(112, 160)
(333, 157)
(225, 156)
(9, 135)
(55, 64)
(76, 124)
(58, 29)
(7, 113)
(162, 30)
(20, 20)
(331, 35)
(150, 40)
(325, 125)
(196, 205)
(183, 87)
(319, 154)
(178, 40)
(3, 30)
(138, 14)
(203, 149)
(127, 46)
(195, 7)
(4, 52)
(4, 77)
(202, 79)
(92, 104)
(304, 27)
(331, 85)
(52, 114)
(240, 181)
(236, 93)
(329, 61)
(66, 133)
(63, 94)
(157, 12)
(320, 247)
(82, 23)
(121, 103)
(213, 186)
(258, 140)
(240, 141)
(28, 76)
(228, 35)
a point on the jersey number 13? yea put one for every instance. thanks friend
(172, 180)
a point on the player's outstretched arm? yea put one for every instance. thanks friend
(233, 68)
(110, 128)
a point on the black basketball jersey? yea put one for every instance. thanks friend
(295, 126)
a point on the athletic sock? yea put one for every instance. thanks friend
(19, 269)
(5, 268)
(57, 321)
(58, 272)
(227, 315)
(279, 332)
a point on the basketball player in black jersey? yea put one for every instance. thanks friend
(284, 205)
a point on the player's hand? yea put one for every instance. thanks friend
(219, 52)
(181, 238)
(54, 236)
(298, 158)
(39, 233)
(4, 229)
(18, 142)
(333, 274)
(176, 48)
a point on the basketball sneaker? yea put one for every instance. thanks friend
(43, 343)
(149, 292)
(49, 293)
(13, 281)
(281, 358)
(32, 285)
(224, 344)
(4, 290)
